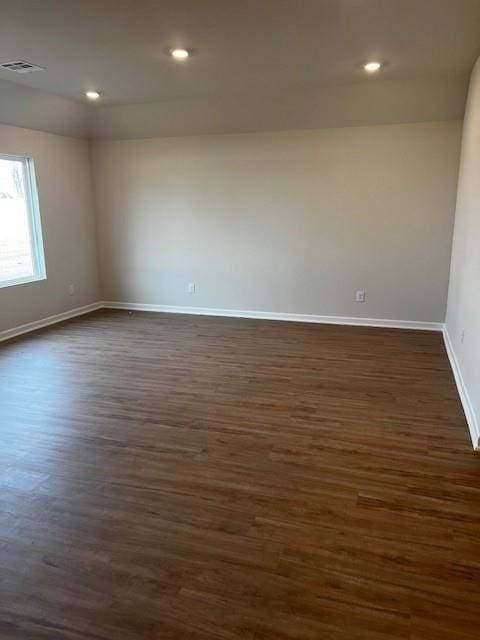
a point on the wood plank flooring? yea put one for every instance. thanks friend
(180, 477)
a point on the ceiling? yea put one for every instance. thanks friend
(240, 46)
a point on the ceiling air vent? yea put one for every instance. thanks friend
(21, 66)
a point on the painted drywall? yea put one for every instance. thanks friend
(238, 47)
(463, 311)
(22, 106)
(62, 168)
(371, 102)
(283, 222)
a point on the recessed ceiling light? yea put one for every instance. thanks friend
(179, 54)
(92, 95)
(371, 67)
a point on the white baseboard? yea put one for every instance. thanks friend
(230, 313)
(471, 418)
(473, 423)
(45, 322)
(271, 315)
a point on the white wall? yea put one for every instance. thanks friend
(463, 312)
(286, 222)
(63, 175)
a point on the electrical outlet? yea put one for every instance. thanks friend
(71, 289)
(360, 295)
(192, 287)
(462, 336)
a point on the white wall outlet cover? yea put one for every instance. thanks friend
(360, 295)
(192, 287)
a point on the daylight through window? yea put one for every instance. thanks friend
(21, 246)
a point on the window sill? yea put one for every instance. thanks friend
(18, 281)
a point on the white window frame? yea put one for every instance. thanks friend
(34, 222)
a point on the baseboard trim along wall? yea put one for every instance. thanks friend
(268, 315)
(45, 322)
(228, 313)
(471, 418)
(272, 315)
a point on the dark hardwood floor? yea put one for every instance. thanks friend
(180, 477)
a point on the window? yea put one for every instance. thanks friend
(21, 245)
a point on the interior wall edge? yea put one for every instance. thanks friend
(274, 315)
(462, 319)
(269, 131)
(8, 334)
(329, 107)
(27, 108)
(387, 323)
(470, 416)
(337, 106)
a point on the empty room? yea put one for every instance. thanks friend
(240, 320)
